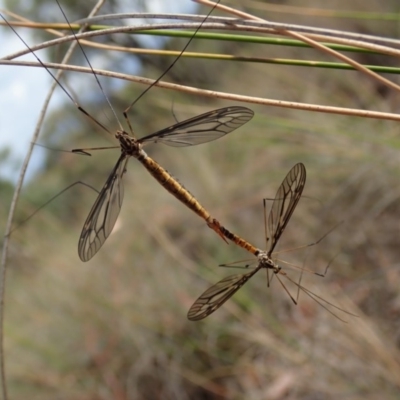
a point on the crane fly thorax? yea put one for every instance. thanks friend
(129, 145)
(264, 261)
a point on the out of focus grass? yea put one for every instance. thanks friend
(116, 327)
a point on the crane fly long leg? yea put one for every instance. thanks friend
(319, 299)
(203, 128)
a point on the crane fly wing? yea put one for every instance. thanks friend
(286, 199)
(216, 295)
(203, 128)
(104, 213)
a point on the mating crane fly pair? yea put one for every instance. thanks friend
(200, 129)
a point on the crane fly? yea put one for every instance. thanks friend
(203, 128)
(286, 199)
(200, 129)
(283, 206)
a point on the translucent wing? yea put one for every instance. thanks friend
(286, 199)
(104, 213)
(203, 128)
(216, 295)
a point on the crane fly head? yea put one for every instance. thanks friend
(129, 145)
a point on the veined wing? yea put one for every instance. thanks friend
(286, 199)
(203, 128)
(218, 294)
(104, 213)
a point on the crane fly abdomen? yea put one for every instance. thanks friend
(165, 179)
(239, 241)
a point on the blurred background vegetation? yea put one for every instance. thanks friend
(116, 327)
